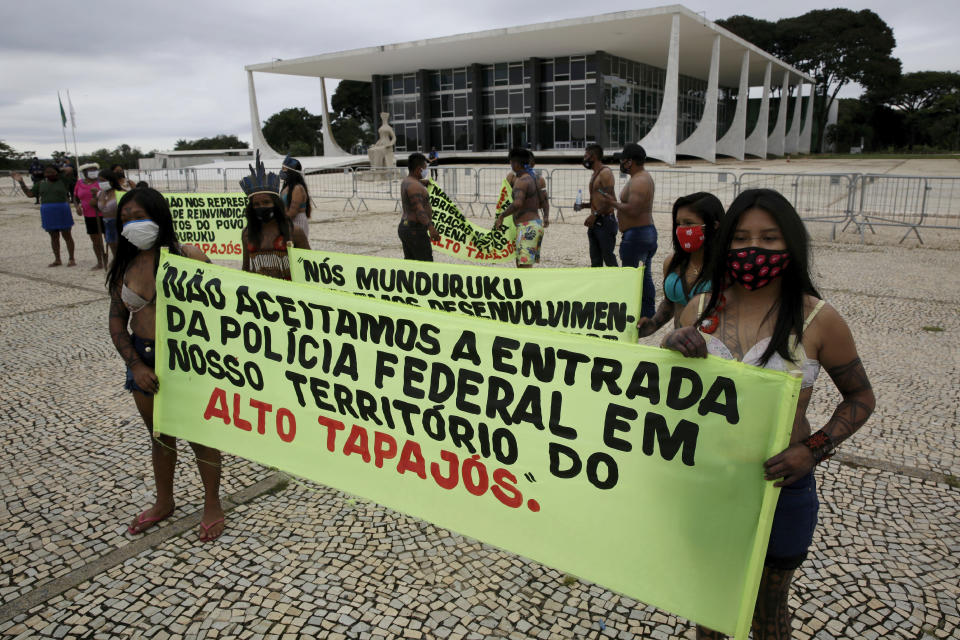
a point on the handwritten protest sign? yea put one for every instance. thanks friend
(466, 241)
(598, 302)
(623, 464)
(213, 222)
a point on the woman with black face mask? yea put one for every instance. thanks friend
(269, 231)
(763, 310)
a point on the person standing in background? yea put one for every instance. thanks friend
(56, 217)
(85, 193)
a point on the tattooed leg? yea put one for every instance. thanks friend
(772, 616)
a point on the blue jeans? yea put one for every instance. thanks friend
(603, 238)
(637, 246)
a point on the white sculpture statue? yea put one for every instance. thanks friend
(381, 152)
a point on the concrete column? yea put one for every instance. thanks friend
(734, 141)
(256, 133)
(661, 141)
(476, 74)
(792, 144)
(423, 104)
(535, 106)
(757, 142)
(376, 91)
(777, 142)
(806, 135)
(702, 143)
(330, 147)
(603, 137)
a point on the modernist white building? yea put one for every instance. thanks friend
(666, 77)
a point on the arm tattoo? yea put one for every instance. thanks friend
(858, 400)
(119, 316)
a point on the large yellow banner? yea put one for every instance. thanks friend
(625, 465)
(597, 302)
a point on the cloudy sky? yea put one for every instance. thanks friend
(147, 74)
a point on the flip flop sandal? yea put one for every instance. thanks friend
(206, 531)
(144, 523)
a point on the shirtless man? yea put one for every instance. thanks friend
(542, 196)
(601, 223)
(635, 215)
(528, 199)
(416, 228)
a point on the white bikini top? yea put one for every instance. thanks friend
(809, 370)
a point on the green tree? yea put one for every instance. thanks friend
(10, 158)
(927, 101)
(294, 131)
(353, 99)
(835, 46)
(221, 141)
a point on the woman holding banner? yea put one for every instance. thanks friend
(295, 196)
(764, 310)
(688, 270)
(148, 226)
(269, 231)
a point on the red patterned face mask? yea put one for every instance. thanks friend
(754, 267)
(690, 237)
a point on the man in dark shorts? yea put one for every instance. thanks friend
(525, 209)
(416, 228)
(635, 217)
(601, 224)
(434, 160)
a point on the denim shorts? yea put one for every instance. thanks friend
(794, 521)
(110, 229)
(147, 351)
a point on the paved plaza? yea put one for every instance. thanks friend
(300, 560)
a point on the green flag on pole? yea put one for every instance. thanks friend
(63, 114)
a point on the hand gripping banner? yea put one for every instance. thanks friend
(464, 240)
(626, 465)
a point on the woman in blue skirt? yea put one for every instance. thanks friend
(56, 216)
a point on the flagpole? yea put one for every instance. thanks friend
(66, 150)
(73, 129)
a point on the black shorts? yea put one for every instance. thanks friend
(94, 225)
(415, 240)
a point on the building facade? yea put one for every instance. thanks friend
(666, 78)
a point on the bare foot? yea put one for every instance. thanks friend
(72, 263)
(212, 524)
(55, 263)
(155, 514)
(97, 266)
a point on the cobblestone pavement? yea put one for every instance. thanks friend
(303, 560)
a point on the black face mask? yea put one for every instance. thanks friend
(624, 170)
(284, 175)
(263, 214)
(588, 164)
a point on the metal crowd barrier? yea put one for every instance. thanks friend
(865, 201)
(914, 202)
(817, 197)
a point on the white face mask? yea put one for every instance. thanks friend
(141, 233)
(425, 173)
(89, 175)
(103, 186)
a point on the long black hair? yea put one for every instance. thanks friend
(795, 279)
(255, 227)
(293, 178)
(156, 207)
(710, 209)
(110, 176)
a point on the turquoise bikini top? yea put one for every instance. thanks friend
(673, 289)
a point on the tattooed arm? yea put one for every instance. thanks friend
(838, 355)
